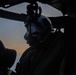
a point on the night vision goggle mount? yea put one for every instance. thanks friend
(33, 9)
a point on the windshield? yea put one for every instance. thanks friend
(12, 31)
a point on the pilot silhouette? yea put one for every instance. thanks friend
(44, 54)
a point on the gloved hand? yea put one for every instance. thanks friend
(2, 56)
(7, 58)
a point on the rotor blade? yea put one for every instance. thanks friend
(12, 16)
(58, 22)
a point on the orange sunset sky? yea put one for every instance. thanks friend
(12, 35)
